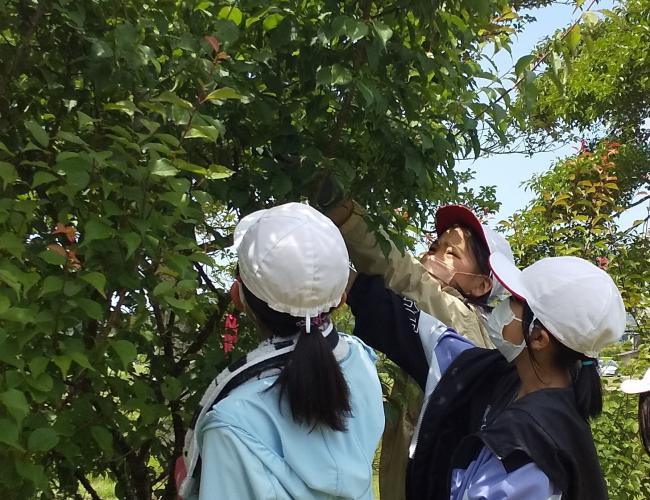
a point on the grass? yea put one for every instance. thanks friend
(104, 487)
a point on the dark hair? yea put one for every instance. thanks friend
(583, 370)
(644, 420)
(312, 377)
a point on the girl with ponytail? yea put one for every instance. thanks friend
(513, 422)
(518, 419)
(301, 415)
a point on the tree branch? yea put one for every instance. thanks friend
(87, 486)
(636, 203)
(206, 279)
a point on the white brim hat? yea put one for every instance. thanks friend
(293, 258)
(637, 386)
(577, 302)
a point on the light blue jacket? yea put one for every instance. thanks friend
(252, 449)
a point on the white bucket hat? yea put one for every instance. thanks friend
(449, 215)
(575, 300)
(637, 386)
(293, 258)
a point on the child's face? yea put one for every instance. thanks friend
(453, 249)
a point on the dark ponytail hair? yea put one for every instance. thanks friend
(644, 420)
(312, 377)
(583, 370)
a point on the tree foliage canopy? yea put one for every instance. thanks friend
(129, 132)
(599, 80)
(597, 83)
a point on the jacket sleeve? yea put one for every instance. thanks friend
(230, 470)
(404, 274)
(388, 323)
(486, 477)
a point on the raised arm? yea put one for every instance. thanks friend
(403, 273)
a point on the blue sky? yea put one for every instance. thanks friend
(507, 172)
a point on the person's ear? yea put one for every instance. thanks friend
(235, 296)
(539, 339)
(482, 285)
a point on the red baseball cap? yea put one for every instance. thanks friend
(450, 215)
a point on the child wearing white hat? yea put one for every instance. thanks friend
(512, 422)
(642, 388)
(301, 415)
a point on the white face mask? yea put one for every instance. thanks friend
(501, 316)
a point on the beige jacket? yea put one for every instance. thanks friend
(404, 274)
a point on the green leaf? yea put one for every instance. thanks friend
(171, 388)
(573, 38)
(218, 172)
(366, 92)
(8, 278)
(41, 440)
(5, 303)
(51, 284)
(225, 30)
(340, 75)
(84, 120)
(38, 133)
(81, 359)
(103, 437)
(52, 257)
(353, 29)
(93, 310)
(208, 132)
(163, 288)
(42, 177)
(76, 169)
(162, 167)
(126, 107)
(8, 174)
(72, 287)
(63, 362)
(97, 280)
(383, 32)
(334, 75)
(95, 229)
(222, 94)
(231, 13)
(589, 18)
(171, 98)
(38, 365)
(16, 404)
(5, 149)
(9, 433)
(188, 167)
(20, 315)
(70, 137)
(125, 350)
(523, 63)
(12, 244)
(132, 241)
(271, 21)
(34, 473)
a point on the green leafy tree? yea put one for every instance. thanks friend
(596, 84)
(574, 212)
(131, 134)
(597, 80)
